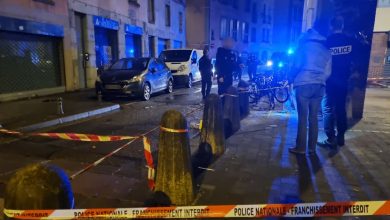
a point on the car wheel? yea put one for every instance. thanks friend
(147, 91)
(170, 86)
(189, 81)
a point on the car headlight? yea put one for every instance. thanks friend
(136, 79)
(182, 68)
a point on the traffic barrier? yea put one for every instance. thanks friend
(39, 186)
(174, 171)
(231, 112)
(243, 92)
(212, 132)
(99, 138)
(305, 210)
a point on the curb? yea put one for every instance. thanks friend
(69, 118)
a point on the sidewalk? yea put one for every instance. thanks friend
(41, 112)
(259, 168)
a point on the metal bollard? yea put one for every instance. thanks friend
(174, 171)
(99, 96)
(60, 109)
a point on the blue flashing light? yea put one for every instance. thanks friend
(131, 50)
(290, 51)
(280, 64)
(269, 63)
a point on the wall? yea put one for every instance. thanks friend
(378, 55)
(53, 14)
(125, 13)
(197, 23)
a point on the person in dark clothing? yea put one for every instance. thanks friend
(225, 66)
(239, 67)
(252, 66)
(334, 103)
(205, 67)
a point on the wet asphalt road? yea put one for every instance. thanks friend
(120, 180)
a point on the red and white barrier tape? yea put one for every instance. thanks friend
(99, 138)
(322, 209)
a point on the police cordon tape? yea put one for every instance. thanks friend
(100, 138)
(322, 209)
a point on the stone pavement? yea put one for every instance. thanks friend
(256, 167)
(259, 169)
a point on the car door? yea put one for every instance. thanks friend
(152, 75)
(194, 66)
(162, 75)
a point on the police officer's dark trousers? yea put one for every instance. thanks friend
(334, 110)
(206, 85)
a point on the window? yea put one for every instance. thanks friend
(234, 29)
(134, 2)
(253, 35)
(231, 26)
(181, 22)
(239, 31)
(265, 35)
(167, 15)
(264, 14)
(151, 12)
(254, 13)
(245, 32)
(224, 28)
(248, 5)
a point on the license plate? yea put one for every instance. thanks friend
(113, 87)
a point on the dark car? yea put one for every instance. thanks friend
(135, 77)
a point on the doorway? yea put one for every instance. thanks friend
(81, 58)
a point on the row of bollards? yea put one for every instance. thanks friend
(43, 186)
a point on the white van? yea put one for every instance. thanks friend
(184, 65)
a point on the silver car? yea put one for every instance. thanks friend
(135, 77)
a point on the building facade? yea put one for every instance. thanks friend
(287, 23)
(380, 50)
(58, 45)
(248, 22)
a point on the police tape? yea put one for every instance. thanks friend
(74, 136)
(99, 138)
(323, 209)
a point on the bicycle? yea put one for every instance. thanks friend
(269, 86)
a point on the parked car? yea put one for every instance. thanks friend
(135, 76)
(184, 65)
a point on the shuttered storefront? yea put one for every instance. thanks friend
(28, 61)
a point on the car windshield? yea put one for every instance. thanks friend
(175, 55)
(130, 64)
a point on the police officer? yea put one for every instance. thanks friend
(252, 66)
(205, 67)
(226, 62)
(334, 103)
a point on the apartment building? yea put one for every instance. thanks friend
(52, 46)
(248, 22)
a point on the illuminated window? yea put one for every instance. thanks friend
(224, 28)
(245, 32)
